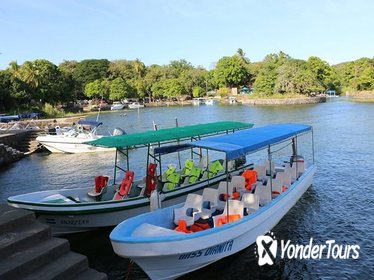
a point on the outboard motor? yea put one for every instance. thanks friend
(118, 131)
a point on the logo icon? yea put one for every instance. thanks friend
(267, 247)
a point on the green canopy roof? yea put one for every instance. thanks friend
(168, 134)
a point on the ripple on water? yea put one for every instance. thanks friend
(338, 206)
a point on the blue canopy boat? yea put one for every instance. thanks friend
(173, 241)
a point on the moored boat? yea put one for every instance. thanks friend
(73, 140)
(135, 105)
(198, 101)
(211, 101)
(167, 247)
(117, 105)
(111, 201)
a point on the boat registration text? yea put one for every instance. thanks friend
(216, 249)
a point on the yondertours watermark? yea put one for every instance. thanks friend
(267, 250)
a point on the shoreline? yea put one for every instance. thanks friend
(43, 124)
(283, 101)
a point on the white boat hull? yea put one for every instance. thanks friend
(168, 258)
(135, 106)
(71, 145)
(71, 217)
(117, 107)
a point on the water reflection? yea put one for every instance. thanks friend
(338, 206)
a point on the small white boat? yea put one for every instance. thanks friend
(84, 208)
(198, 101)
(211, 101)
(135, 105)
(72, 141)
(117, 105)
(232, 100)
(165, 251)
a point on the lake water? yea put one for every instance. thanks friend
(338, 206)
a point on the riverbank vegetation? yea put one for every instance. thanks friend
(42, 85)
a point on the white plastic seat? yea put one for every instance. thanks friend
(209, 206)
(261, 171)
(267, 166)
(251, 202)
(224, 187)
(285, 177)
(190, 211)
(235, 207)
(276, 187)
(264, 193)
(238, 183)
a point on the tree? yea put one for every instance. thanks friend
(323, 72)
(154, 74)
(267, 76)
(6, 99)
(242, 56)
(124, 69)
(44, 81)
(176, 68)
(230, 72)
(139, 68)
(119, 89)
(192, 78)
(93, 89)
(72, 87)
(90, 70)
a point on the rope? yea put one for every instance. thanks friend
(129, 267)
(273, 152)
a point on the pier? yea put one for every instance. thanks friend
(28, 250)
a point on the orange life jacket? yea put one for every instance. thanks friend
(250, 178)
(232, 218)
(182, 226)
(151, 180)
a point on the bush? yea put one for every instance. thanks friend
(53, 112)
(223, 92)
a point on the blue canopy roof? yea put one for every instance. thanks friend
(250, 140)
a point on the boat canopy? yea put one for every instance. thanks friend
(91, 123)
(250, 140)
(168, 134)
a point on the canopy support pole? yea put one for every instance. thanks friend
(297, 160)
(227, 189)
(313, 145)
(115, 167)
(179, 156)
(271, 171)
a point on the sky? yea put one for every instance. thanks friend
(199, 31)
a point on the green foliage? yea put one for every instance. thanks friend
(93, 89)
(52, 111)
(167, 88)
(90, 70)
(119, 89)
(37, 82)
(197, 91)
(230, 72)
(224, 91)
(6, 99)
(356, 75)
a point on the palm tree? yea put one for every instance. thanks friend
(30, 74)
(14, 69)
(139, 68)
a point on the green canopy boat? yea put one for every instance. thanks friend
(91, 207)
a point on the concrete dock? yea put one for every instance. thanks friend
(28, 251)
